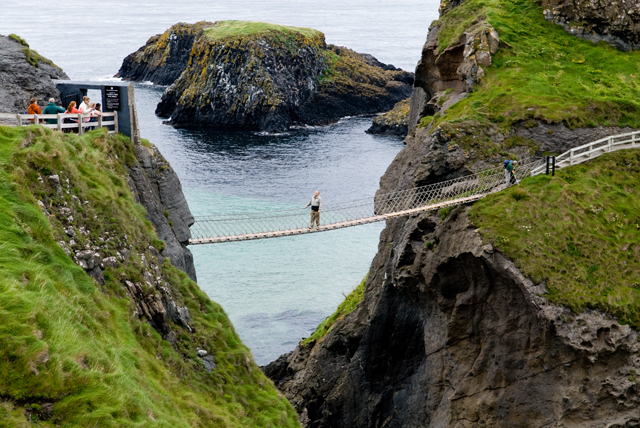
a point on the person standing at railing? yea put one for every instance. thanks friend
(85, 108)
(509, 173)
(316, 205)
(52, 108)
(34, 108)
(72, 110)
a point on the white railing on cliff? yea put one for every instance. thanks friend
(63, 121)
(588, 151)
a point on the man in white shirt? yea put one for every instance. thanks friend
(316, 204)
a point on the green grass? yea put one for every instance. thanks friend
(226, 29)
(346, 307)
(33, 57)
(66, 341)
(579, 232)
(541, 72)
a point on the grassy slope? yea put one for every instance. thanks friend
(62, 340)
(345, 308)
(224, 29)
(578, 231)
(542, 72)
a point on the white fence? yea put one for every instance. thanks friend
(63, 121)
(594, 149)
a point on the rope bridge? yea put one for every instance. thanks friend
(271, 224)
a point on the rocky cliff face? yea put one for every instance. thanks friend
(450, 334)
(25, 74)
(269, 80)
(164, 57)
(157, 187)
(615, 22)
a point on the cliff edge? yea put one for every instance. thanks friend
(521, 309)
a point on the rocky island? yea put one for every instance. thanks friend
(254, 75)
(520, 309)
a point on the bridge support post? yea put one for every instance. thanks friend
(553, 166)
(548, 159)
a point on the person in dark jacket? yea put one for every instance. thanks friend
(52, 108)
(509, 173)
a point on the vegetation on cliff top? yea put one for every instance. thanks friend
(33, 57)
(65, 341)
(225, 29)
(541, 72)
(579, 232)
(346, 307)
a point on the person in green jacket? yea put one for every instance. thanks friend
(52, 108)
(509, 175)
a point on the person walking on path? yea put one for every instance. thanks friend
(34, 108)
(316, 205)
(52, 108)
(509, 174)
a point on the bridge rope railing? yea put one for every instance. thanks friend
(262, 224)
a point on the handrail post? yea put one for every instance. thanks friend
(548, 159)
(610, 143)
(79, 123)
(19, 118)
(100, 121)
(553, 166)
(633, 139)
(35, 119)
(115, 121)
(59, 122)
(571, 157)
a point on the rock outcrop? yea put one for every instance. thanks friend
(25, 74)
(164, 57)
(450, 71)
(451, 334)
(157, 187)
(614, 22)
(393, 122)
(265, 80)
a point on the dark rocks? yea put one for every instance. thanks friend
(393, 122)
(156, 186)
(614, 22)
(164, 57)
(209, 364)
(25, 74)
(452, 335)
(262, 82)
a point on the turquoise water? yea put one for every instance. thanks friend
(275, 291)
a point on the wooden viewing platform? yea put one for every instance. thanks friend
(107, 120)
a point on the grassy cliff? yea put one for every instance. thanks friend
(540, 71)
(73, 353)
(578, 232)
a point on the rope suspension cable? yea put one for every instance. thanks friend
(266, 224)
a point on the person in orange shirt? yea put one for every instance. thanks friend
(73, 110)
(33, 108)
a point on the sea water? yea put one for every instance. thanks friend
(275, 291)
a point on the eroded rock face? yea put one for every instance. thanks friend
(450, 334)
(615, 22)
(393, 122)
(20, 79)
(450, 72)
(164, 57)
(157, 187)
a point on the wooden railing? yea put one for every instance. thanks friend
(107, 120)
(594, 149)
